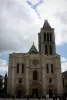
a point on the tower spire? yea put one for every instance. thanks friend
(33, 42)
(47, 39)
(46, 25)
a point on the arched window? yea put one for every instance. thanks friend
(44, 37)
(50, 37)
(50, 80)
(50, 49)
(20, 80)
(17, 67)
(47, 68)
(34, 75)
(22, 68)
(46, 49)
(52, 68)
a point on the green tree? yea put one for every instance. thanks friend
(1, 83)
(5, 84)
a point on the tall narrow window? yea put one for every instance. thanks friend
(50, 49)
(50, 80)
(50, 37)
(20, 80)
(17, 67)
(22, 68)
(52, 68)
(34, 75)
(47, 68)
(44, 37)
(47, 37)
(46, 49)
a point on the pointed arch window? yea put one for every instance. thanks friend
(46, 49)
(47, 68)
(52, 71)
(20, 80)
(50, 37)
(44, 37)
(50, 80)
(50, 49)
(22, 68)
(34, 75)
(17, 67)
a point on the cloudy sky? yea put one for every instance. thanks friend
(19, 18)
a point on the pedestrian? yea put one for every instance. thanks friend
(47, 96)
(64, 98)
(27, 97)
(53, 97)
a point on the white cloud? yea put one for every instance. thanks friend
(19, 23)
(2, 62)
(63, 59)
(63, 64)
(55, 12)
(3, 66)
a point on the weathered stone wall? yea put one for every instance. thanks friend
(43, 76)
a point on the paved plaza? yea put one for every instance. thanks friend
(26, 99)
(29, 99)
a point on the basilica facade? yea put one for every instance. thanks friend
(36, 72)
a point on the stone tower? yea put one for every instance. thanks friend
(47, 40)
(52, 64)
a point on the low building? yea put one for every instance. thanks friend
(64, 78)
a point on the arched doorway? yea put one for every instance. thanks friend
(50, 93)
(51, 90)
(35, 92)
(35, 89)
(20, 91)
(34, 75)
